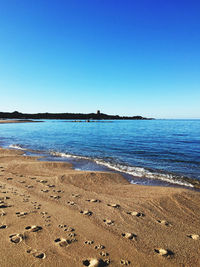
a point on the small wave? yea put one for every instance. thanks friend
(16, 146)
(65, 155)
(133, 171)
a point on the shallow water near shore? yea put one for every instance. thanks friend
(153, 152)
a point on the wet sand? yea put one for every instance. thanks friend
(52, 215)
(17, 121)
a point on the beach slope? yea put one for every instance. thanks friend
(52, 215)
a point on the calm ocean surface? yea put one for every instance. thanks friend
(145, 151)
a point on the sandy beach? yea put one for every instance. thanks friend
(17, 121)
(52, 215)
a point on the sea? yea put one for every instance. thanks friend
(147, 152)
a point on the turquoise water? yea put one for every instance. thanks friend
(145, 151)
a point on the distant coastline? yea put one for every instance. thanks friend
(68, 116)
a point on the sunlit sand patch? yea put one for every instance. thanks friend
(113, 205)
(163, 222)
(130, 236)
(33, 228)
(124, 262)
(86, 212)
(194, 236)
(108, 222)
(16, 238)
(136, 213)
(164, 252)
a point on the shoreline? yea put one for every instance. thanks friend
(131, 222)
(188, 183)
(16, 121)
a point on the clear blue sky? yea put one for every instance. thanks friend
(126, 57)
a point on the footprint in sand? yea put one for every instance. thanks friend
(194, 236)
(43, 213)
(3, 226)
(75, 195)
(86, 212)
(113, 205)
(51, 185)
(3, 205)
(99, 247)
(108, 222)
(164, 252)
(58, 191)
(33, 228)
(130, 236)
(45, 190)
(163, 222)
(21, 214)
(4, 198)
(55, 197)
(104, 254)
(42, 181)
(136, 213)
(93, 200)
(95, 262)
(62, 242)
(2, 213)
(69, 229)
(29, 186)
(71, 203)
(89, 242)
(16, 238)
(62, 225)
(71, 234)
(36, 254)
(22, 182)
(124, 262)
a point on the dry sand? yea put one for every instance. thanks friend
(52, 215)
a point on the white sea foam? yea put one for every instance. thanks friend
(16, 146)
(133, 171)
(64, 155)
